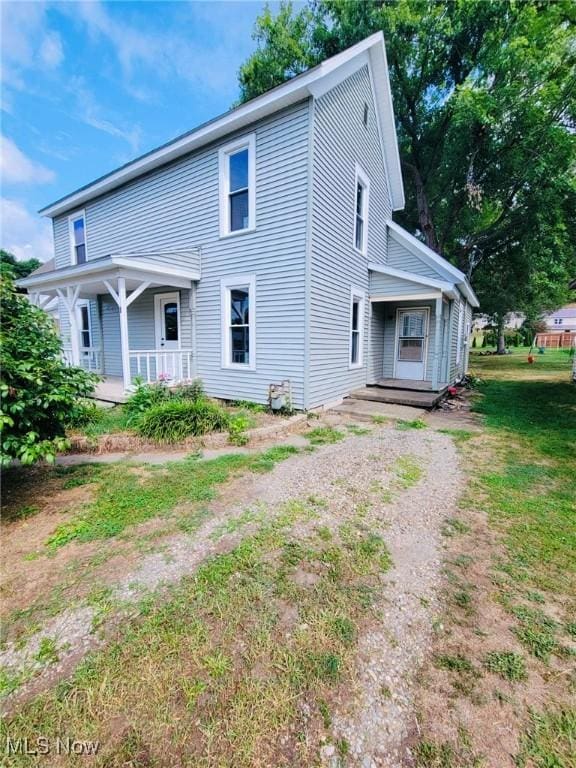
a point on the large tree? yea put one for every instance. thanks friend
(11, 267)
(485, 103)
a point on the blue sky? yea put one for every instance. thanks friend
(86, 86)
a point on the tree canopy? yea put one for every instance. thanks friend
(38, 391)
(11, 267)
(485, 105)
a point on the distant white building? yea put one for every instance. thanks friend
(564, 319)
(513, 321)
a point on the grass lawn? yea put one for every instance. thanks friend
(512, 584)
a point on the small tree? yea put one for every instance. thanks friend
(38, 392)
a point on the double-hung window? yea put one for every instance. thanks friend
(362, 191)
(237, 163)
(357, 300)
(77, 231)
(238, 296)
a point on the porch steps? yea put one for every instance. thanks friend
(408, 397)
(366, 410)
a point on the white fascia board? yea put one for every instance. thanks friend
(297, 89)
(411, 277)
(83, 272)
(422, 251)
(468, 292)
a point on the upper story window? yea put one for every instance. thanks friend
(77, 230)
(362, 191)
(238, 321)
(237, 163)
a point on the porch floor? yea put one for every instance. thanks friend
(416, 386)
(110, 390)
(423, 398)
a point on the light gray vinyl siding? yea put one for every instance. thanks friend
(401, 258)
(386, 285)
(376, 351)
(459, 367)
(177, 207)
(340, 140)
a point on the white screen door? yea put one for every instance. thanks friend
(412, 330)
(167, 324)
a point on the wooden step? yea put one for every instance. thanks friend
(401, 397)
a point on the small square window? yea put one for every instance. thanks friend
(365, 116)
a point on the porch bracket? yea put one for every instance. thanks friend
(134, 295)
(437, 344)
(69, 299)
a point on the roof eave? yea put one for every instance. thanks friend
(297, 89)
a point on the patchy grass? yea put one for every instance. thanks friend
(408, 471)
(550, 740)
(507, 664)
(223, 670)
(325, 436)
(459, 435)
(125, 498)
(404, 425)
(357, 430)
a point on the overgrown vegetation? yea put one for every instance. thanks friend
(175, 420)
(38, 391)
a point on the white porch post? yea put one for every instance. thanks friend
(70, 300)
(124, 343)
(437, 343)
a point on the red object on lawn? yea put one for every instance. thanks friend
(530, 359)
(452, 391)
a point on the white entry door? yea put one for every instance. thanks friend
(411, 343)
(167, 324)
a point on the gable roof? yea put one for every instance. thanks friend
(313, 82)
(443, 267)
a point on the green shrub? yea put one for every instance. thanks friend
(84, 413)
(175, 420)
(145, 396)
(238, 424)
(192, 391)
(37, 389)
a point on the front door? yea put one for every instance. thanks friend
(411, 343)
(167, 323)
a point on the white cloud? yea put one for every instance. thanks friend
(51, 52)
(90, 112)
(18, 168)
(24, 234)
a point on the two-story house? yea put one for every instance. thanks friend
(259, 248)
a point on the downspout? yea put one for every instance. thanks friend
(308, 256)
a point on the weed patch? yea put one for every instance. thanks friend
(507, 664)
(325, 436)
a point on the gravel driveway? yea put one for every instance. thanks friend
(359, 475)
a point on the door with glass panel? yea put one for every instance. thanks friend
(411, 343)
(167, 321)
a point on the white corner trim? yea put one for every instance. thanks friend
(81, 214)
(226, 284)
(359, 294)
(360, 176)
(244, 142)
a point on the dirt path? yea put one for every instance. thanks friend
(405, 483)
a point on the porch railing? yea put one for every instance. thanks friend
(90, 358)
(169, 366)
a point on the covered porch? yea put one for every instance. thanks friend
(126, 316)
(411, 321)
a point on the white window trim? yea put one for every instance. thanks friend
(226, 285)
(460, 332)
(71, 219)
(359, 294)
(361, 177)
(224, 153)
(84, 303)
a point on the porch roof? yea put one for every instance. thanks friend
(391, 284)
(92, 277)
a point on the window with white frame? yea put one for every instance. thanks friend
(357, 299)
(77, 231)
(84, 323)
(237, 164)
(238, 296)
(362, 191)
